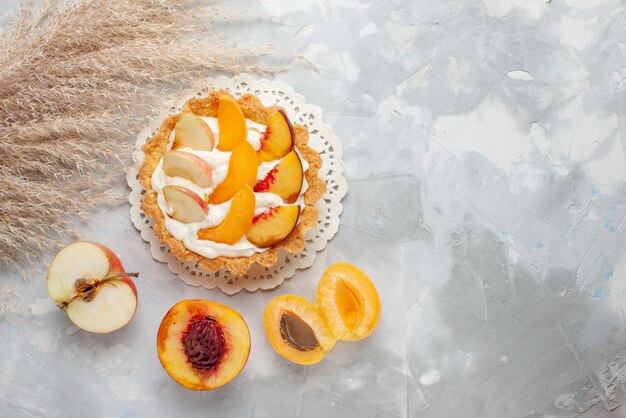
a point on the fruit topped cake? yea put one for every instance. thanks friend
(230, 182)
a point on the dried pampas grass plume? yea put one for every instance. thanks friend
(77, 80)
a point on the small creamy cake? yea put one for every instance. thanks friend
(229, 182)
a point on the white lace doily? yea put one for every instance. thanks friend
(321, 140)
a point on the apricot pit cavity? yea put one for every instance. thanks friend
(348, 304)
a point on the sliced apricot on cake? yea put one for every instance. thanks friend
(187, 206)
(296, 330)
(231, 122)
(271, 227)
(242, 170)
(237, 220)
(348, 302)
(284, 180)
(277, 140)
(192, 132)
(188, 166)
(203, 345)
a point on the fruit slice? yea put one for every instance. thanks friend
(278, 138)
(242, 170)
(188, 166)
(284, 180)
(296, 330)
(203, 345)
(348, 301)
(273, 226)
(89, 283)
(192, 132)
(231, 122)
(237, 220)
(187, 206)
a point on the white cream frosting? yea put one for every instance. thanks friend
(218, 160)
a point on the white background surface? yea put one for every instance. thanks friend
(484, 150)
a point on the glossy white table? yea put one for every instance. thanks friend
(484, 145)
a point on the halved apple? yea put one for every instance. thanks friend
(88, 281)
(192, 132)
(237, 220)
(187, 206)
(278, 138)
(273, 226)
(242, 170)
(188, 166)
(284, 180)
(231, 122)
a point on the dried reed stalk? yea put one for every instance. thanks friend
(77, 80)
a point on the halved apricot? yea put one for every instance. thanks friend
(271, 227)
(203, 345)
(242, 169)
(348, 308)
(237, 220)
(284, 180)
(296, 330)
(348, 302)
(231, 122)
(277, 140)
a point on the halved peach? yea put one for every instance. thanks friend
(192, 132)
(231, 122)
(203, 345)
(242, 170)
(187, 206)
(348, 302)
(188, 166)
(296, 330)
(271, 227)
(277, 140)
(284, 180)
(237, 220)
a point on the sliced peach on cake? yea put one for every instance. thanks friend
(284, 180)
(242, 170)
(237, 220)
(231, 122)
(296, 330)
(348, 301)
(187, 206)
(188, 166)
(278, 138)
(192, 132)
(273, 226)
(203, 345)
